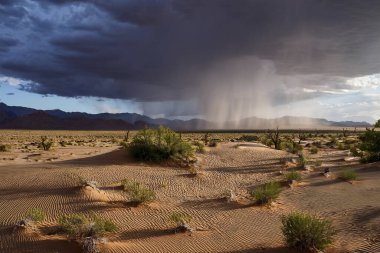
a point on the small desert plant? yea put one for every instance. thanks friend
(91, 183)
(124, 144)
(31, 216)
(35, 214)
(341, 146)
(79, 225)
(5, 148)
(137, 192)
(213, 143)
(199, 147)
(307, 232)
(291, 146)
(45, 144)
(318, 163)
(314, 150)
(229, 195)
(349, 175)
(293, 175)
(266, 193)
(181, 220)
(248, 138)
(302, 161)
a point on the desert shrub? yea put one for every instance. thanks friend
(35, 214)
(354, 150)
(350, 141)
(199, 147)
(124, 144)
(367, 157)
(137, 192)
(377, 124)
(266, 193)
(317, 144)
(45, 144)
(293, 175)
(314, 150)
(5, 148)
(307, 232)
(158, 145)
(248, 138)
(213, 143)
(318, 163)
(302, 161)
(341, 146)
(291, 146)
(349, 175)
(181, 220)
(79, 225)
(370, 144)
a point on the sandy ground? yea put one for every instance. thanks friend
(49, 180)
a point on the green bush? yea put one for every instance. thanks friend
(349, 175)
(370, 144)
(5, 148)
(302, 161)
(314, 150)
(45, 144)
(307, 232)
(35, 214)
(137, 192)
(180, 219)
(124, 144)
(266, 193)
(158, 145)
(341, 146)
(291, 146)
(293, 175)
(248, 138)
(199, 147)
(79, 225)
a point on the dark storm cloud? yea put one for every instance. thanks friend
(151, 50)
(6, 43)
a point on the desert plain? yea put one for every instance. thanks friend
(50, 180)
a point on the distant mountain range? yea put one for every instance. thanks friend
(17, 117)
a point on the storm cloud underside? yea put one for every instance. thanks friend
(219, 58)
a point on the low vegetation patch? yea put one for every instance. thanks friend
(293, 175)
(5, 148)
(349, 175)
(45, 144)
(302, 161)
(248, 138)
(199, 147)
(87, 229)
(181, 220)
(307, 232)
(159, 145)
(31, 216)
(370, 144)
(137, 192)
(266, 193)
(314, 150)
(291, 146)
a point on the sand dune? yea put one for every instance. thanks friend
(219, 226)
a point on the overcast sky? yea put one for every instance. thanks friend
(218, 59)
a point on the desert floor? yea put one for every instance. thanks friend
(49, 180)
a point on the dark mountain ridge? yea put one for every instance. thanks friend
(17, 117)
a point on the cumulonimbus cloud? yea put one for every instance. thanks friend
(171, 50)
